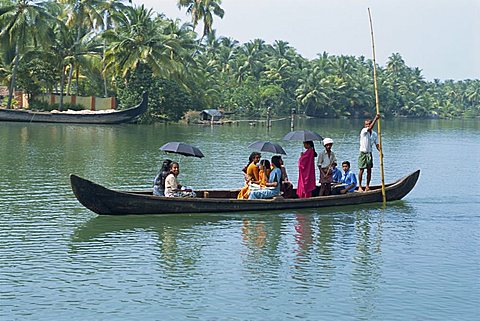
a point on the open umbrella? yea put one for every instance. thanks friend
(270, 147)
(303, 135)
(182, 149)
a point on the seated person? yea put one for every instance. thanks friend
(348, 180)
(272, 187)
(173, 187)
(251, 173)
(336, 173)
(287, 186)
(159, 181)
(264, 172)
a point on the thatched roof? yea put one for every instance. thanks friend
(212, 112)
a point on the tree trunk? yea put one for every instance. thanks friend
(62, 86)
(76, 79)
(105, 81)
(104, 74)
(70, 76)
(11, 89)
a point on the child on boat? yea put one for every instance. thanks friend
(348, 180)
(336, 173)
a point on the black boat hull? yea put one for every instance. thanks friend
(102, 200)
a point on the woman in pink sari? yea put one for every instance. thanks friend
(306, 171)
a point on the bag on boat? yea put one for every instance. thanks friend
(257, 187)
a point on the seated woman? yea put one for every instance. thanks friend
(159, 181)
(252, 175)
(272, 187)
(173, 187)
(264, 172)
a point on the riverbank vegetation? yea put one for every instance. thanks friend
(101, 48)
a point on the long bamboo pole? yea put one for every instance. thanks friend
(384, 197)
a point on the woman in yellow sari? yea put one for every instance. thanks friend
(264, 171)
(252, 175)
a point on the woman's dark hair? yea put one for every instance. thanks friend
(311, 145)
(252, 156)
(250, 160)
(265, 163)
(173, 163)
(163, 173)
(276, 161)
(165, 166)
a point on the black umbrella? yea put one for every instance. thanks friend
(182, 149)
(267, 147)
(303, 135)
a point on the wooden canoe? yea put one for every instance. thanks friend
(102, 200)
(117, 117)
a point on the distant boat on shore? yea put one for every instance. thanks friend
(115, 117)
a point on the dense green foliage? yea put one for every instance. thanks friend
(93, 47)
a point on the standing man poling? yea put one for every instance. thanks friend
(365, 159)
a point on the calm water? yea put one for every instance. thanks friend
(417, 259)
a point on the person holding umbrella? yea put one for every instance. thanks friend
(172, 187)
(165, 183)
(306, 171)
(306, 163)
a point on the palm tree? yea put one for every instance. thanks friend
(396, 64)
(112, 11)
(25, 23)
(314, 92)
(133, 42)
(7, 54)
(473, 93)
(143, 39)
(226, 54)
(202, 10)
(83, 16)
(252, 54)
(70, 54)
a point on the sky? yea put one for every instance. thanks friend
(441, 37)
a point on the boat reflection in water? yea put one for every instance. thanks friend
(303, 249)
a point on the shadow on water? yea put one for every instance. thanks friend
(102, 225)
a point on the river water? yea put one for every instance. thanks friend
(416, 259)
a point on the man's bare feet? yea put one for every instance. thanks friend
(360, 189)
(367, 188)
